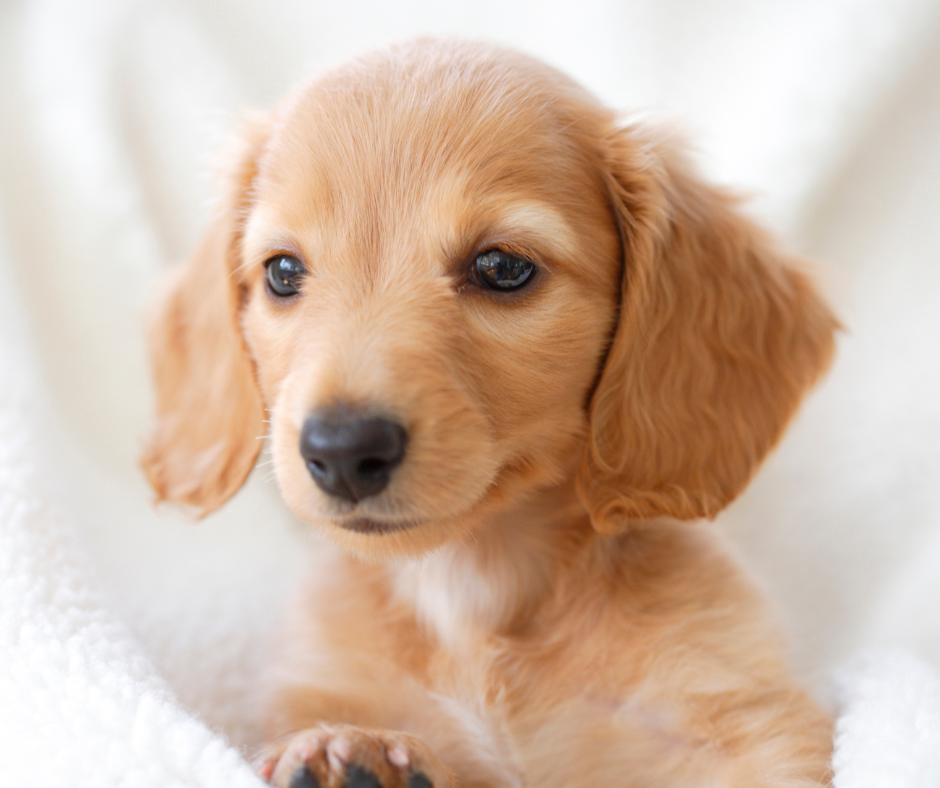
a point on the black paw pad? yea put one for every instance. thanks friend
(304, 778)
(358, 777)
(419, 780)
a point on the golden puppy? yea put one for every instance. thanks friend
(508, 345)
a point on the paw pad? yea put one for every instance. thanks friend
(304, 778)
(359, 777)
(419, 780)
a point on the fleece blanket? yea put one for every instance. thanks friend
(131, 639)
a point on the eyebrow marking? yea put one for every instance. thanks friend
(542, 221)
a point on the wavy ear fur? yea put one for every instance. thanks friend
(719, 336)
(209, 408)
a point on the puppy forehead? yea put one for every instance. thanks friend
(374, 148)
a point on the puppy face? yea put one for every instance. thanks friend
(452, 278)
(388, 185)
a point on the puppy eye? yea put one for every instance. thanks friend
(284, 274)
(499, 270)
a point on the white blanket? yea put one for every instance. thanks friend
(130, 640)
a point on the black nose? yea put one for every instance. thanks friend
(351, 456)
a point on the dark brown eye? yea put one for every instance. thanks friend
(284, 274)
(499, 270)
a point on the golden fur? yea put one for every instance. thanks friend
(540, 615)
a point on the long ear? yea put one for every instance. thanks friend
(209, 408)
(719, 336)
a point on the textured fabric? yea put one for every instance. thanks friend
(131, 640)
(80, 702)
(888, 732)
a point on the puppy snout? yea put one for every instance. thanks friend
(349, 455)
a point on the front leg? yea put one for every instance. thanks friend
(357, 661)
(345, 756)
(394, 730)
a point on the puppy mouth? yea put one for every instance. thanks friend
(365, 525)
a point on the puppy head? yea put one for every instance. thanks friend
(450, 278)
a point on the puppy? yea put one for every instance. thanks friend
(509, 346)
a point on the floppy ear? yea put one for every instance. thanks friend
(719, 336)
(209, 408)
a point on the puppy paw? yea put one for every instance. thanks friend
(344, 756)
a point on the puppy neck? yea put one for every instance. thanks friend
(497, 578)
